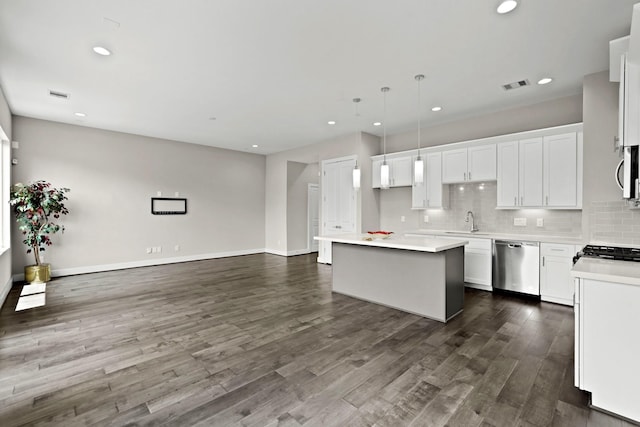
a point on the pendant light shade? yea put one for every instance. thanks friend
(384, 169)
(418, 171)
(418, 165)
(384, 175)
(356, 177)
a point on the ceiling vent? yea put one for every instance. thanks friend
(58, 95)
(516, 85)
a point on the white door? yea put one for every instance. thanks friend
(454, 166)
(436, 197)
(481, 163)
(313, 215)
(560, 170)
(508, 174)
(531, 172)
(338, 202)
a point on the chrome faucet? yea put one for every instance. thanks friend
(473, 221)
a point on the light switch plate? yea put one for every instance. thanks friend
(540, 222)
(520, 222)
(402, 218)
(426, 218)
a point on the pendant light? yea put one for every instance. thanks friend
(418, 166)
(384, 169)
(356, 169)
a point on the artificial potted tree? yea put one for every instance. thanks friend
(36, 207)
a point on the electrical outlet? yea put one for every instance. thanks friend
(520, 222)
(159, 249)
(159, 193)
(426, 218)
(403, 218)
(176, 194)
(176, 248)
(540, 222)
(149, 250)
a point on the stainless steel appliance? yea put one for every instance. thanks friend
(516, 266)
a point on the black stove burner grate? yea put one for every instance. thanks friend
(612, 252)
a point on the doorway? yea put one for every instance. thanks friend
(313, 215)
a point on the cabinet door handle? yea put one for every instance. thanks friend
(469, 176)
(515, 201)
(521, 200)
(543, 261)
(546, 199)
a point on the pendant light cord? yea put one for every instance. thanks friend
(384, 124)
(419, 78)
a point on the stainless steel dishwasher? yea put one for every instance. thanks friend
(516, 266)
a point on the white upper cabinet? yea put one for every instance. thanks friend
(530, 172)
(429, 193)
(400, 171)
(560, 170)
(541, 172)
(454, 166)
(520, 173)
(481, 163)
(471, 164)
(508, 192)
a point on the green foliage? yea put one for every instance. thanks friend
(36, 206)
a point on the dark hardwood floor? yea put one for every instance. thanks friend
(260, 340)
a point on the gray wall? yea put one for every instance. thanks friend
(5, 257)
(112, 177)
(299, 176)
(606, 217)
(396, 202)
(276, 183)
(556, 112)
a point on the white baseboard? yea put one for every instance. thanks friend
(563, 301)
(143, 263)
(5, 291)
(287, 253)
(477, 286)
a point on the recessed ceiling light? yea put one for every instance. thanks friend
(101, 50)
(377, 124)
(436, 109)
(507, 6)
(79, 114)
(331, 122)
(545, 80)
(255, 145)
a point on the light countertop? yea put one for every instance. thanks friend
(500, 236)
(627, 272)
(423, 244)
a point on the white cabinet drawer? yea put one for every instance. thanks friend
(556, 249)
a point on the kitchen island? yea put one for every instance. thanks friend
(420, 275)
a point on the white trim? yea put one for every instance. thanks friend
(310, 237)
(287, 253)
(5, 291)
(488, 288)
(144, 263)
(555, 300)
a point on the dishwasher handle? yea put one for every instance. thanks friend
(514, 245)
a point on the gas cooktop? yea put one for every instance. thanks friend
(611, 252)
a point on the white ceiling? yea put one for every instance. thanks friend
(274, 72)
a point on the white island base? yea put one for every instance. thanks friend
(427, 280)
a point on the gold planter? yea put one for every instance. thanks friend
(37, 273)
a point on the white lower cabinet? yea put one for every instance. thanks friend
(477, 264)
(606, 346)
(556, 283)
(477, 260)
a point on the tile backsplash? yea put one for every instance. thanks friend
(481, 200)
(614, 223)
